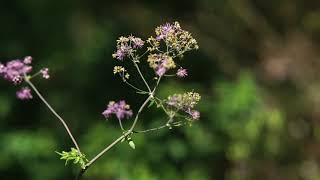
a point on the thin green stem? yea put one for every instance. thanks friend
(107, 148)
(158, 128)
(152, 129)
(120, 123)
(134, 87)
(143, 54)
(35, 75)
(161, 105)
(27, 80)
(130, 131)
(121, 137)
(142, 77)
(129, 84)
(139, 111)
(131, 128)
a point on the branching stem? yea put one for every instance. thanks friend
(27, 80)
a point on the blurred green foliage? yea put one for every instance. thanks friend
(256, 69)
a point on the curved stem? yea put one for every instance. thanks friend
(142, 77)
(53, 112)
(152, 129)
(161, 105)
(160, 127)
(120, 123)
(134, 87)
(117, 140)
(151, 96)
(107, 149)
(81, 172)
(139, 111)
(143, 54)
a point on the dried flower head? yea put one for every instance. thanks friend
(121, 71)
(120, 109)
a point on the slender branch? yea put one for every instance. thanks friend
(35, 75)
(53, 111)
(139, 111)
(130, 131)
(151, 96)
(107, 149)
(152, 129)
(134, 87)
(142, 77)
(131, 85)
(82, 171)
(143, 54)
(161, 105)
(120, 123)
(121, 137)
(80, 174)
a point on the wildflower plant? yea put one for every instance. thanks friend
(162, 53)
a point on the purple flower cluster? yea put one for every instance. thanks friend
(24, 94)
(182, 72)
(15, 70)
(45, 73)
(126, 46)
(176, 39)
(194, 114)
(120, 109)
(161, 63)
(186, 103)
(165, 30)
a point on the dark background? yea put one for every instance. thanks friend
(257, 70)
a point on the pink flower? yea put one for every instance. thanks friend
(24, 94)
(27, 60)
(15, 70)
(195, 114)
(45, 73)
(120, 109)
(182, 72)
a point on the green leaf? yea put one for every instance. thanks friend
(151, 103)
(75, 156)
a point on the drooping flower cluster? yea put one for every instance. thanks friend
(15, 70)
(120, 109)
(126, 46)
(161, 63)
(185, 102)
(178, 40)
(24, 94)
